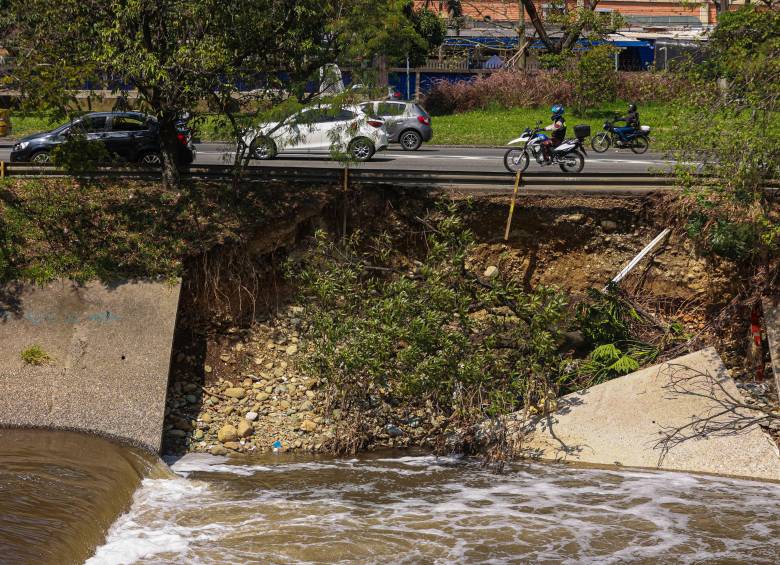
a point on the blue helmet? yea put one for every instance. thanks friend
(557, 111)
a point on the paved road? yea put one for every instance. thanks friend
(439, 158)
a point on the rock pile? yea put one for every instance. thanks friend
(252, 396)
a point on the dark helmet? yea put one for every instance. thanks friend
(632, 107)
(557, 111)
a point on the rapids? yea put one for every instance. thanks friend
(68, 497)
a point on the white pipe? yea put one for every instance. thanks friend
(641, 255)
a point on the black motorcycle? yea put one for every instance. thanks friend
(637, 141)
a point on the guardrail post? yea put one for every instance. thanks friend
(346, 201)
(2, 169)
(512, 205)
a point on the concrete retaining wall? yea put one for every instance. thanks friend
(109, 349)
(684, 415)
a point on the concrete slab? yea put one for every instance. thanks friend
(684, 415)
(110, 353)
(772, 322)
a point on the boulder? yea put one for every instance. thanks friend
(308, 426)
(490, 272)
(608, 226)
(245, 429)
(235, 392)
(227, 433)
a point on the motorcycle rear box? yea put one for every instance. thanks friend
(581, 131)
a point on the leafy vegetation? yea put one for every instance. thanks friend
(731, 130)
(594, 77)
(496, 126)
(35, 355)
(431, 333)
(177, 54)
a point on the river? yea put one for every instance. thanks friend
(61, 493)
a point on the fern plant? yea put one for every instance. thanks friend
(608, 361)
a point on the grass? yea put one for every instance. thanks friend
(493, 126)
(496, 126)
(23, 125)
(35, 355)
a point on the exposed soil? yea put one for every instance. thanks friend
(237, 357)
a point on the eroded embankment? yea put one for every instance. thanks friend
(239, 381)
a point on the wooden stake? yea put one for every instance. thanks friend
(512, 206)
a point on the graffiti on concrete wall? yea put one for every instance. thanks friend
(68, 319)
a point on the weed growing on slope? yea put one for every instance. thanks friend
(35, 355)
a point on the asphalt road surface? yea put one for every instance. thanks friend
(442, 158)
(438, 158)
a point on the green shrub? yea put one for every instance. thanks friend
(431, 335)
(609, 361)
(604, 318)
(78, 154)
(593, 76)
(35, 355)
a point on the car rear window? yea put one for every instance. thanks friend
(421, 110)
(390, 109)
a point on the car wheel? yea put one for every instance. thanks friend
(361, 149)
(639, 145)
(600, 142)
(150, 159)
(516, 160)
(40, 158)
(572, 162)
(262, 148)
(410, 140)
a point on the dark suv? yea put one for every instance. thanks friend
(129, 136)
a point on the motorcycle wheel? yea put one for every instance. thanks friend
(600, 142)
(572, 162)
(640, 145)
(516, 160)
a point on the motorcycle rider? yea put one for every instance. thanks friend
(631, 119)
(558, 129)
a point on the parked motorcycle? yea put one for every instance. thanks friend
(569, 155)
(638, 141)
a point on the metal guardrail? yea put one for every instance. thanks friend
(407, 177)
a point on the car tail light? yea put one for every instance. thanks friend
(182, 138)
(424, 120)
(375, 123)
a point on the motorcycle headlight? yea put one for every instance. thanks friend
(21, 145)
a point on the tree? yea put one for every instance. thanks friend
(178, 53)
(731, 130)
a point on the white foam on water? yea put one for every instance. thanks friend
(441, 510)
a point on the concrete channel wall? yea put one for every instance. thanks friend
(108, 354)
(683, 415)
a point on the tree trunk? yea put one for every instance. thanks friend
(521, 34)
(530, 8)
(382, 66)
(169, 146)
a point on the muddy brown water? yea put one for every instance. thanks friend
(67, 497)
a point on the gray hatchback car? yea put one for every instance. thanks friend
(407, 123)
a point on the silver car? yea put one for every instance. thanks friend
(407, 123)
